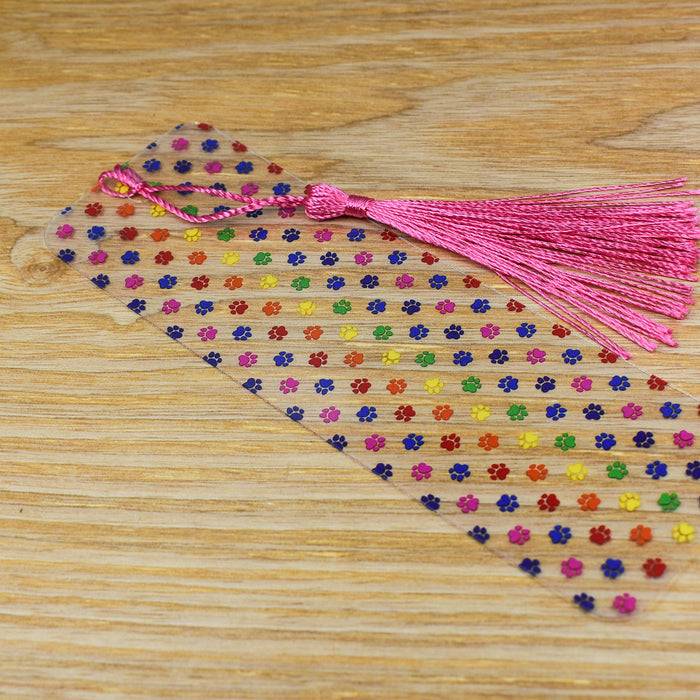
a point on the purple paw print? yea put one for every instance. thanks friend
(247, 359)
(535, 356)
(468, 504)
(375, 442)
(330, 414)
(582, 384)
(518, 535)
(490, 331)
(632, 411)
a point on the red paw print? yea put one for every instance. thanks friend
(204, 127)
(548, 502)
(537, 472)
(313, 332)
(388, 235)
(488, 441)
(274, 168)
(360, 386)
(200, 282)
(600, 535)
(498, 472)
(233, 282)
(429, 258)
(128, 233)
(607, 357)
(197, 257)
(239, 147)
(318, 359)
(163, 258)
(277, 332)
(93, 209)
(354, 358)
(396, 386)
(656, 383)
(654, 568)
(404, 413)
(450, 442)
(272, 308)
(560, 331)
(443, 412)
(589, 501)
(238, 307)
(471, 282)
(514, 305)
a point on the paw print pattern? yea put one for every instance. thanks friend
(545, 384)
(555, 412)
(594, 411)
(459, 472)
(430, 502)
(600, 535)
(498, 472)
(468, 504)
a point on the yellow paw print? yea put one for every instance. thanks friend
(433, 385)
(576, 472)
(268, 281)
(391, 357)
(481, 412)
(157, 210)
(683, 533)
(306, 308)
(528, 440)
(230, 258)
(348, 332)
(630, 501)
(192, 235)
(121, 188)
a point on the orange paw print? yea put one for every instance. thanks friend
(233, 282)
(313, 332)
(396, 386)
(589, 501)
(443, 412)
(197, 257)
(640, 534)
(354, 358)
(489, 441)
(272, 308)
(160, 234)
(537, 472)
(125, 209)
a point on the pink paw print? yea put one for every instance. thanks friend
(572, 567)
(97, 257)
(330, 414)
(518, 535)
(468, 504)
(582, 383)
(207, 333)
(247, 359)
(445, 307)
(65, 231)
(171, 306)
(625, 603)
(375, 442)
(632, 411)
(421, 471)
(363, 258)
(683, 439)
(404, 281)
(490, 331)
(133, 282)
(289, 385)
(249, 189)
(535, 356)
(323, 235)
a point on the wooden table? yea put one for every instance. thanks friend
(154, 564)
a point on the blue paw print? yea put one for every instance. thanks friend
(244, 167)
(584, 601)
(572, 356)
(369, 282)
(594, 411)
(545, 384)
(556, 411)
(335, 282)
(242, 333)
(356, 234)
(367, 414)
(283, 359)
(530, 566)
(291, 234)
(167, 281)
(216, 186)
(101, 281)
(462, 358)
(295, 413)
(67, 255)
(526, 330)
(453, 332)
(94, 233)
(605, 441)
(281, 188)
(670, 410)
(296, 259)
(508, 384)
(377, 306)
(254, 214)
(210, 145)
(330, 258)
(479, 533)
(137, 305)
(438, 281)
(498, 357)
(204, 307)
(324, 386)
(418, 332)
(693, 470)
(385, 471)
(560, 534)
(619, 383)
(459, 472)
(411, 306)
(413, 441)
(612, 568)
(258, 234)
(643, 438)
(175, 332)
(338, 441)
(657, 469)
(430, 502)
(184, 193)
(480, 306)
(151, 165)
(213, 358)
(130, 257)
(182, 166)
(507, 504)
(398, 257)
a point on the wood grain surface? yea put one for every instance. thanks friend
(151, 544)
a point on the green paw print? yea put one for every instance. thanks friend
(225, 234)
(472, 385)
(617, 470)
(382, 332)
(669, 501)
(425, 358)
(517, 412)
(262, 258)
(299, 283)
(565, 442)
(190, 209)
(342, 307)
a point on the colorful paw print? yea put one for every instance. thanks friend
(421, 471)
(517, 412)
(391, 357)
(589, 501)
(576, 471)
(471, 385)
(348, 332)
(459, 472)
(480, 412)
(498, 472)
(518, 535)
(683, 533)
(565, 442)
(617, 470)
(488, 441)
(443, 412)
(468, 504)
(537, 472)
(528, 440)
(450, 442)
(629, 501)
(405, 413)
(632, 411)
(581, 384)
(433, 385)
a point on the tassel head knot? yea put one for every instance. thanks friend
(328, 202)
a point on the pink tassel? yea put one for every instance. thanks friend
(603, 252)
